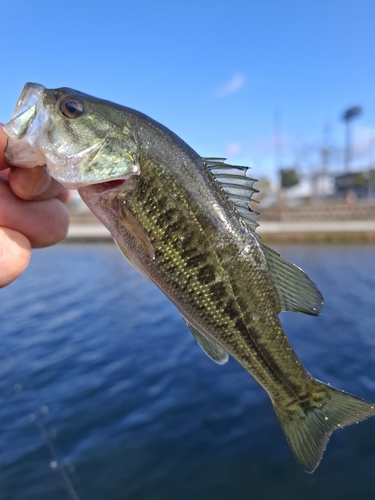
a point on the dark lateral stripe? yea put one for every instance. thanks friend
(250, 336)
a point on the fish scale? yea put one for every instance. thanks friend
(184, 264)
(185, 223)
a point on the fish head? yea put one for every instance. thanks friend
(81, 139)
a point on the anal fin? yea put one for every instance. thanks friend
(213, 350)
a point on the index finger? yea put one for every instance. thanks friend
(3, 143)
(31, 183)
(36, 184)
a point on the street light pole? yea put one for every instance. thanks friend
(348, 116)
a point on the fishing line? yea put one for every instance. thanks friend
(31, 398)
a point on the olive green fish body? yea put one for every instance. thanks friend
(218, 278)
(185, 223)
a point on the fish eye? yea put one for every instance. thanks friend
(71, 108)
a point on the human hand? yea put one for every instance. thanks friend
(32, 214)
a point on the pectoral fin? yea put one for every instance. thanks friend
(295, 291)
(136, 229)
(213, 350)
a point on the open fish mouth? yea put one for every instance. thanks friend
(102, 187)
(112, 184)
(28, 121)
(31, 95)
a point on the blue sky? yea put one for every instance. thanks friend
(222, 74)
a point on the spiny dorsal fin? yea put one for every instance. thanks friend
(295, 291)
(214, 351)
(237, 185)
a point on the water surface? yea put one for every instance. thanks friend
(104, 393)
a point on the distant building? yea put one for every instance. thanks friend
(318, 187)
(360, 183)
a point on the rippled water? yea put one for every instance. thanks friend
(105, 395)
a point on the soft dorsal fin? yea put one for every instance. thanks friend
(295, 291)
(237, 185)
(213, 350)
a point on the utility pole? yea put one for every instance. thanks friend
(277, 140)
(326, 149)
(277, 145)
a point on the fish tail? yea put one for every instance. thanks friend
(308, 424)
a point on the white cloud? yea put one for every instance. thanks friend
(230, 87)
(233, 149)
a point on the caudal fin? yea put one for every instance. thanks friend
(308, 425)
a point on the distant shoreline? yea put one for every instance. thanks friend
(351, 231)
(270, 231)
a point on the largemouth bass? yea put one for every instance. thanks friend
(185, 223)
